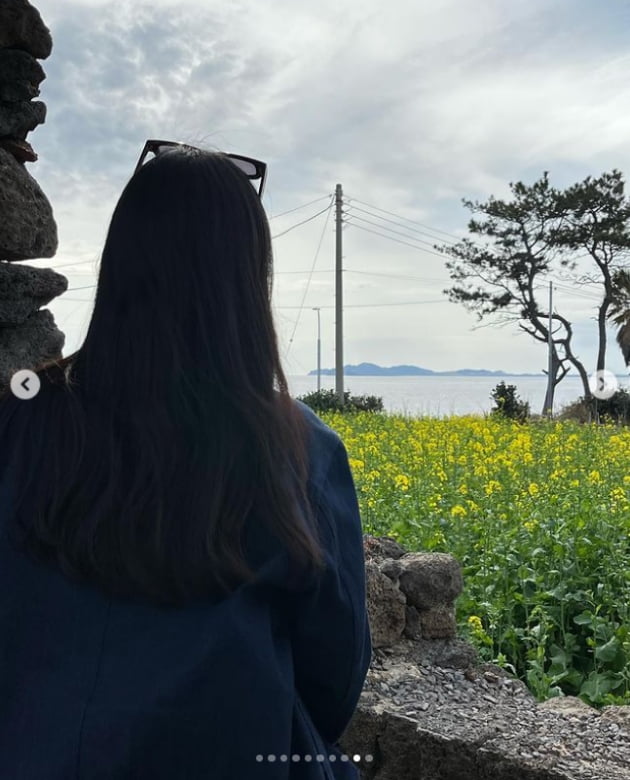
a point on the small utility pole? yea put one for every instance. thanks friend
(549, 409)
(338, 300)
(319, 350)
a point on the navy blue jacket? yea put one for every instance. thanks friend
(93, 688)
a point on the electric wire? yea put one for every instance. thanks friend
(399, 224)
(369, 305)
(399, 216)
(68, 265)
(303, 206)
(397, 276)
(319, 246)
(391, 230)
(304, 221)
(414, 246)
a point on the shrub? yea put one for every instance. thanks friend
(508, 404)
(615, 409)
(328, 401)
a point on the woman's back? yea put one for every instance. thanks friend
(182, 584)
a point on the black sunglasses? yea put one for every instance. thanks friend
(253, 169)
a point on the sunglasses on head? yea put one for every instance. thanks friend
(255, 170)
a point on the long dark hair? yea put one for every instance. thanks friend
(149, 450)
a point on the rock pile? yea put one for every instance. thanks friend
(28, 336)
(430, 711)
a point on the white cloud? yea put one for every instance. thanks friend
(411, 106)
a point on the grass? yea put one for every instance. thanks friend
(538, 515)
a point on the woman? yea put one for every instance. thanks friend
(181, 561)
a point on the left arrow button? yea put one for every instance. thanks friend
(25, 384)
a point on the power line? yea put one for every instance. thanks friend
(405, 227)
(399, 216)
(426, 227)
(572, 290)
(319, 246)
(68, 265)
(414, 246)
(369, 305)
(397, 232)
(397, 276)
(303, 206)
(63, 298)
(322, 271)
(303, 222)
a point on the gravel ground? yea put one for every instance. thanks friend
(484, 706)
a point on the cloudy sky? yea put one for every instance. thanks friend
(410, 106)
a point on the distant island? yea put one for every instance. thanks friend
(371, 369)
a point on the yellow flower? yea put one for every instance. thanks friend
(402, 482)
(458, 511)
(475, 623)
(533, 489)
(492, 487)
(594, 477)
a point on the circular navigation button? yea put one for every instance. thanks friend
(25, 384)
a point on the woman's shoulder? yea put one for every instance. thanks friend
(324, 444)
(321, 433)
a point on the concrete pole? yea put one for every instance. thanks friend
(319, 350)
(338, 299)
(550, 387)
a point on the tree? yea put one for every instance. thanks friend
(619, 312)
(531, 236)
(504, 279)
(597, 220)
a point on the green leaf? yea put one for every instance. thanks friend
(608, 652)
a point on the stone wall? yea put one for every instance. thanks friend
(28, 336)
(430, 710)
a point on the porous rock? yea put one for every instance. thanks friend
(413, 627)
(19, 118)
(385, 605)
(438, 622)
(27, 227)
(16, 65)
(29, 345)
(21, 27)
(24, 289)
(430, 580)
(380, 547)
(16, 91)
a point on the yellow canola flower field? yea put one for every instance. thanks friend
(538, 516)
(432, 478)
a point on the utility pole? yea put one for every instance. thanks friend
(319, 350)
(549, 403)
(338, 300)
